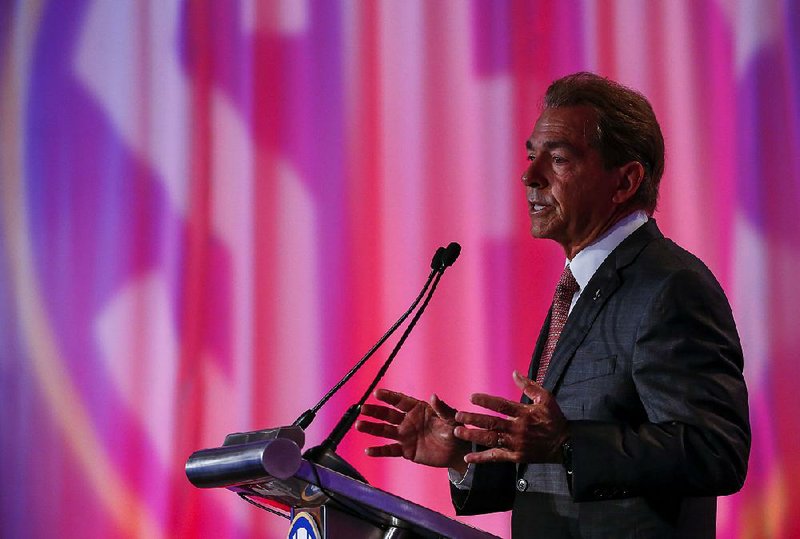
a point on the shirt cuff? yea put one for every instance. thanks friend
(462, 482)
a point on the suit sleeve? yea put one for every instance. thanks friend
(492, 490)
(687, 369)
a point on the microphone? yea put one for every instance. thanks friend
(450, 255)
(438, 264)
(325, 453)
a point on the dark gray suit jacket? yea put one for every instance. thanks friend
(648, 370)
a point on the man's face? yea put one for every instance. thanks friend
(569, 190)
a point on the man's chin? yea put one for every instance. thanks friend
(546, 233)
(540, 232)
(543, 223)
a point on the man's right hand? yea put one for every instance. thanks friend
(423, 432)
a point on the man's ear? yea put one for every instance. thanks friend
(630, 177)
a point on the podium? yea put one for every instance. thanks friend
(267, 465)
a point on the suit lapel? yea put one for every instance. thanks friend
(603, 284)
(537, 353)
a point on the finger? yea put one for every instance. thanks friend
(383, 430)
(391, 450)
(442, 409)
(497, 404)
(484, 421)
(390, 415)
(490, 455)
(534, 391)
(398, 400)
(483, 437)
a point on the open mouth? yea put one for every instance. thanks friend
(535, 207)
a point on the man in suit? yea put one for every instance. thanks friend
(634, 413)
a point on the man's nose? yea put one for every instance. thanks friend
(532, 177)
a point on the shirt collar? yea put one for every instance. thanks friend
(585, 263)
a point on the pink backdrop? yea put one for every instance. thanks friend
(210, 210)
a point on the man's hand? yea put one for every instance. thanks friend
(529, 433)
(423, 431)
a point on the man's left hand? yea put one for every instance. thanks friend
(531, 432)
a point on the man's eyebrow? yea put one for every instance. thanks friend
(552, 144)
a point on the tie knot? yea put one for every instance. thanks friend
(567, 284)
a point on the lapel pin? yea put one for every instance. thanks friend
(596, 295)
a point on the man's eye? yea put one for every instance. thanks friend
(559, 160)
(531, 157)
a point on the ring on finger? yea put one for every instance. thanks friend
(500, 442)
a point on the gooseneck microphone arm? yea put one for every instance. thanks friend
(346, 423)
(438, 263)
(450, 255)
(349, 418)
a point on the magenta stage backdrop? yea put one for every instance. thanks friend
(210, 210)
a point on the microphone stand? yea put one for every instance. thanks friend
(437, 265)
(325, 453)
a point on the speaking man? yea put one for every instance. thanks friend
(634, 412)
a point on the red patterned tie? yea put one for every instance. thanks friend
(565, 289)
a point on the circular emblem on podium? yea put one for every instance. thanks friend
(304, 527)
